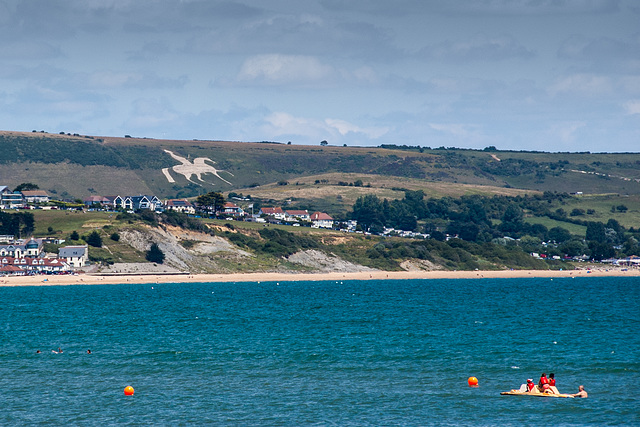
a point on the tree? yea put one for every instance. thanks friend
(368, 211)
(595, 232)
(324, 143)
(74, 235)
(94, 239)
(155, 254)
(115, 237)
(212, 201)
(559, 234)
(26, 186)
(17, 224)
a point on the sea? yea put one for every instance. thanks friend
(321, 353)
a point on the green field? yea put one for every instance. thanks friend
(578, 230)
(75, 167)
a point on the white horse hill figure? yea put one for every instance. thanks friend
(188, 169)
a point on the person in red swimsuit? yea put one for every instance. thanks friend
(552, 379)
(530, 384)
(543, 381)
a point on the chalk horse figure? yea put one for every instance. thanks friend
(188, 169)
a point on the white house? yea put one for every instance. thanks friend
(35, 196)
(75, 256)
(277, 213)
(180, 205)
(232, 209)
(321, 220)
(293, 215)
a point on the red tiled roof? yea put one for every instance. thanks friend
(271, 211)
(320, 216)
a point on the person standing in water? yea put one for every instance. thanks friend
(581, 392)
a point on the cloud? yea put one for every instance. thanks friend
(530, 7)
(582, 84)
(344, 128)
(276, 69)
(566, 131)
(603, 53)
(477, 49)
(482, 7)
(104, 80)
(632, 107)
(152, 114)
(29, 50)
(458, 130)
(40, 104)
(281, 124)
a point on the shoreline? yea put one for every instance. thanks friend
(149, 278)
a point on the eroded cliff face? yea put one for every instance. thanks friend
(320, 262)
(205, 253)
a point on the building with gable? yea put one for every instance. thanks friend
(9, 199)
(97, 200)
(321, 220)
(277, 213)
(302, 215)
(35, 196)
(232, 209)
(180, 205)
(33, 265)
(30, 249)
(75, 256)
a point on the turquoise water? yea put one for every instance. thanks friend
(321, 353)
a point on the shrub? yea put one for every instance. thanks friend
(94, 239)
(155, 254)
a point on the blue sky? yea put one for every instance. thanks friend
(551, 75)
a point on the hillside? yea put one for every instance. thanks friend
(216, 246)
(69, 166)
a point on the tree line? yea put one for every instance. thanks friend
(495, 219)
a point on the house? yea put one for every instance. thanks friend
(146, 202)
(141, 202)
(35, 265)
(180, 205)
(321, 220)
(11, 270)
(113, 202)
(97, 200)
(10, 199)
(632, 260)
(293, 215)
(75, 256)
(277, 213)
(31, 249)
(35, 196)
(232, 209)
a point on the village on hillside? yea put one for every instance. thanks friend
(27, 257)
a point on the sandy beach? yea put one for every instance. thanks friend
(87, 279)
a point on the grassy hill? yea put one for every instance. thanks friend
(70, 166)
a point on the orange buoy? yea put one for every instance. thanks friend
(473, 382)
(128, 391)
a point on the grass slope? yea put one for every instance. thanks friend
(79, 166)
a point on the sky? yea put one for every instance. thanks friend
(545, 75)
